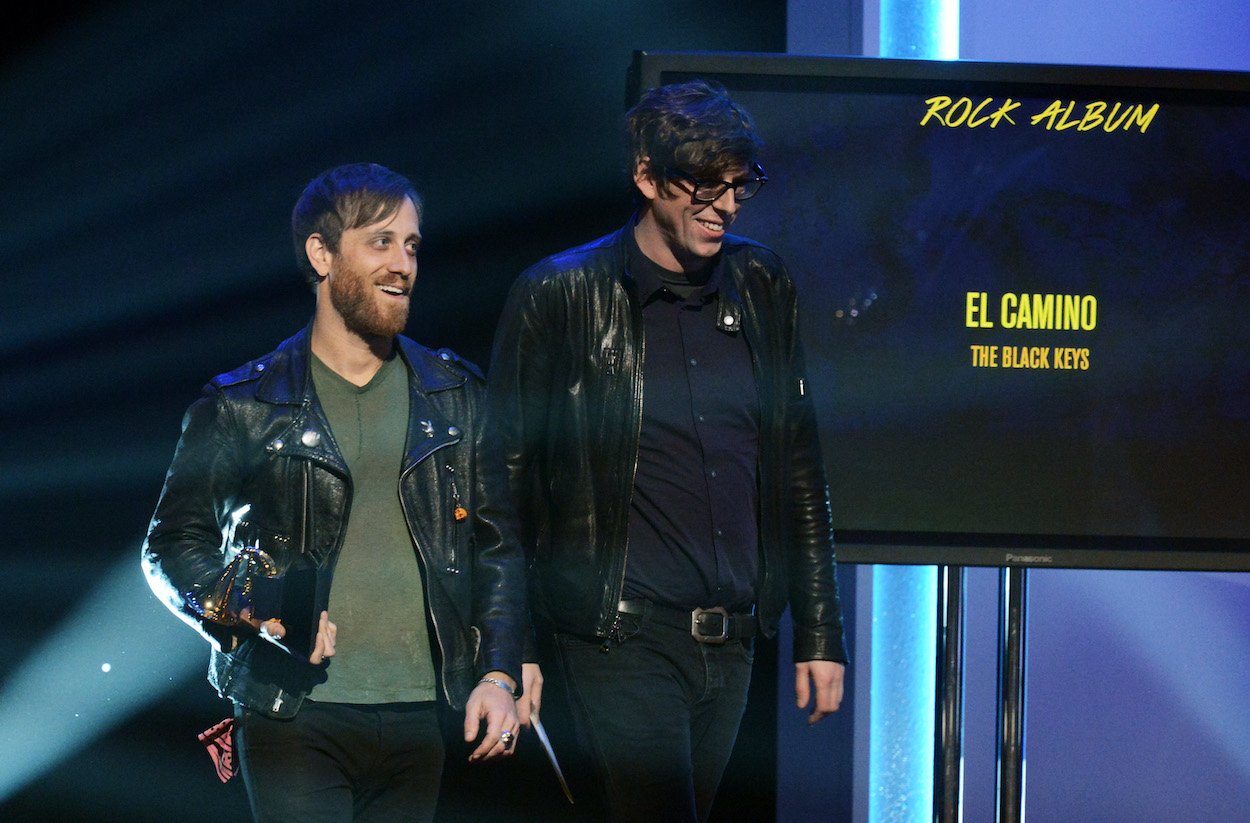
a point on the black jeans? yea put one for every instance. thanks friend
(341, 762)
(658, 713)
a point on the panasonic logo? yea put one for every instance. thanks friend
(1030, 558)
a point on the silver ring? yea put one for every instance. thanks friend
(505, 737)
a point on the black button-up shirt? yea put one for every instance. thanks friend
(693, 519)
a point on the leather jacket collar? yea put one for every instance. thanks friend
(286, 378)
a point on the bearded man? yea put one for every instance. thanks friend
(333, 525)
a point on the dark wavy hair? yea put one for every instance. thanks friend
(346, 197)
(693, 127)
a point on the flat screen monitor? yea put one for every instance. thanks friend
(1025, 300)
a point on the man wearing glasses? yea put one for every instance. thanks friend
(649, 390)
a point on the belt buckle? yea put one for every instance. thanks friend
(717, 639)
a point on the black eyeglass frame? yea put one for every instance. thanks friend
(744, 189)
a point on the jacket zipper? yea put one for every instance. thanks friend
(459, 514)
(750, 322)
(438, 632)
(615, 595)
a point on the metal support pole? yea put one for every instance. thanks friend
(948, 757)
(1013, 594)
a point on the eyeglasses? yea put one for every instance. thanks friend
(709, 191)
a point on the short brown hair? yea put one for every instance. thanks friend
(342, 198)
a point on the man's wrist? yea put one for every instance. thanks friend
(496, 681)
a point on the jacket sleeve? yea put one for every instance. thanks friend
(519, 378)
(813, 589)
(183, 552)
(500, 606)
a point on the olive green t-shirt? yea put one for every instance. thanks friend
(377, 600)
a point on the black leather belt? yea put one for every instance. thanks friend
(705, 625)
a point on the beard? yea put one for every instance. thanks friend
(354, 298)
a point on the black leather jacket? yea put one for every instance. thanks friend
(565, 400)
(258, 438)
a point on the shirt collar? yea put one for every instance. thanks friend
(649, 275)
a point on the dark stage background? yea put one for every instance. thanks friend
(150, 154)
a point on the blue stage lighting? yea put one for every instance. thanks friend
(62, 697)
(904, 598)
(904, 671)
(920, 29)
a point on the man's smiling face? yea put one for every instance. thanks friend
(677, 232)
(371, 275)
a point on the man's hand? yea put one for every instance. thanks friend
(273, 631)
(531, 700)
(490, 704)
(327, 632)
(826, 677)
